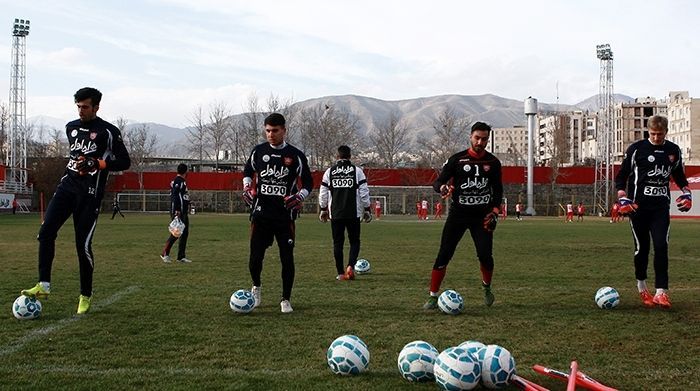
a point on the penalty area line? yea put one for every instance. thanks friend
(34, 334)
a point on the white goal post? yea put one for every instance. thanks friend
(144, 202)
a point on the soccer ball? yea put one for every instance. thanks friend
(497, 366)
(26, 308)
(456, 369)
(451, 302)
(607, 298)
(362, 266)
(347, 355)
(416, 361)
(472, 347)
(242, 301)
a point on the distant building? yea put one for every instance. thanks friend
(571, 135)
(510, 145)
(684, 124)
(631, 123)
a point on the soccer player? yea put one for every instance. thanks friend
(580, 210)
(377, 209)
(424, 209)
(615, 212)
(179, 207)
(344, 199)
(476, 193)
(569, 212)
(438, 210)
(96, 148)
(115, 207)
(643, 193)
(276, 200)
(518, 210)
(419, 211)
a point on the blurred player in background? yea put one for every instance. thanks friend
(377, 209)
(643, 193)
(477, 190)
(518, 211)
(96, 148)
(276, 198)
(115, 207)
(344, 199)
(179, 207)
(424, 209)
(580, 210)
(569, 212)
(438, 210)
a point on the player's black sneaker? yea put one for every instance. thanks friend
(431, 304)
(489, 298)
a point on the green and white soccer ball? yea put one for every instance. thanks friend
(497, 366)
(451, 302)
(26, 307)
(416, 361)
(456, 369)
(472, 347)
(242, 301)
(362, 266)
(607, 298)
(347, 355)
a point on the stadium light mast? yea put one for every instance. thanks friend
(603, 185)
(17, 151)
(531, 113)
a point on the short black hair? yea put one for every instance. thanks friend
(481, 126)
(93, 94)
(344, 152)
(181, 168)
(275, 119)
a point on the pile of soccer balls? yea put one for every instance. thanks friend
(461, 367)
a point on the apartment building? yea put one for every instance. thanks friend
(684, 125)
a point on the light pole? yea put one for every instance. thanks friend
(531, 113)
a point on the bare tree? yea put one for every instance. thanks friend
(56, 143)
(218, 130)
(141, 144)
(197, 136)
(451, 135)
(322, 129)
(390, 139)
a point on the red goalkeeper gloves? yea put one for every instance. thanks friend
(294, 202)
(248, 195)
(685, 201)
(87, 164)
(627, 206)
(490, 220)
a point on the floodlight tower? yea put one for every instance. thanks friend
(17, 151)
(603, 185)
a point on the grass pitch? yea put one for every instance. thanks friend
(168, 326)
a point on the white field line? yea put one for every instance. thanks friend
(34, 334)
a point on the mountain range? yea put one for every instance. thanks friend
(418, 114)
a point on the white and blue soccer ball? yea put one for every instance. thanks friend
(242, 301)
(362, 266)
(416, 361)
(347, 355)
(456, 369)
(472, 347)
(607, 298)
(26, 307)
(451, 302)
(497, 366)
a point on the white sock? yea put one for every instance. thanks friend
(641, 285)
(660, 291)
(45, 285)
(434, 294)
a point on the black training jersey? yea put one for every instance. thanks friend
(478, 187)
(98, 139)
(179, 197)
(277, 172)
(646, 171)
(344, 189)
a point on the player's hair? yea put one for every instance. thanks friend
(181, 168)
(344, 152)
(93, 94)
(481, 126)
(275, 119)
(658, 122)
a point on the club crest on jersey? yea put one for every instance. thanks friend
(266, 158)
(671, 158)
(467, 168)
(651, 158)
(486, 167)
(288, 161)
(93, 135)
(74, 133)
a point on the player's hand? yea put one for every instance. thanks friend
(248, 195)
(446, 190)
(684, 202)
(87, 164)
(177, 213)
(293, 202)
(627, 206)
(323, 216)
(367, 216)
(490, 220)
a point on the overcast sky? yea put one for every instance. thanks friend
(157, 60)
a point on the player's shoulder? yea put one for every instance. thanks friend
(670, 146)
(294, 150)
(492, 158)
(73, 124)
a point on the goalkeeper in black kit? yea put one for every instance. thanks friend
(643, 194)
(476, 193)
(282, 183)
(96, 148)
